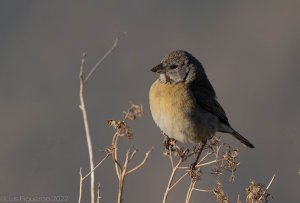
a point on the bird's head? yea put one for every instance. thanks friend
(179, 66)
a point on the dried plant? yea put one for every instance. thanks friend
(219, 193)
(220, 157)
(257, 193)
(122, 130)
(217, 155)
(82, 82)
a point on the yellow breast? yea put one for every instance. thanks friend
(170, 106)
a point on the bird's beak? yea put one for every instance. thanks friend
(158, 69)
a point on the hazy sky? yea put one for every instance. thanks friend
(250, 51)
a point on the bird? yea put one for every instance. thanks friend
(183, 102)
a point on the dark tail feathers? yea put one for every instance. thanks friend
(242, 139)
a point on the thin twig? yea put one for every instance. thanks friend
(120, 192)
(204, 157)
(270, 182)
(86, 125)
(210, 162)
(179, 179)
(122, 130)
(141, 164)
(124, 170)
(171, 180)
(82, 107)
(98, 194)
(238, 199)
(202, 190)
(80, 186)
(132, 154)
(122, 176)
(203, 164)
(190, 191)
(171, 157)
(126, 162)
(263, 194)
(96, 166)
(115, 154)
(103, 57)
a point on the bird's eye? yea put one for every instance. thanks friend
(173, 66)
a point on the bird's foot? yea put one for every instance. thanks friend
(170, 143)
(193, 165)
(195, 171)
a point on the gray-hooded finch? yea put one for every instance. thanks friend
(183, 103)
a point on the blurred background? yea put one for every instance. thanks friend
(250, 51)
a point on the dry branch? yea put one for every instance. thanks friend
(103, 57)
(80, 186)
(98, 194)
(82, 81)
(86, 125)
(123, 130)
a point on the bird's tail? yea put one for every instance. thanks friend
(242, 139)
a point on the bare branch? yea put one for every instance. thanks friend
(171, 157)
(98, 194)
(86, 125)
(201, 190)
(263, 195)
(203, 164)
(271, 181)
(122, 176)
(205, 156)
(171, 180)
(190, 191)
(115, 154)
(123, 130)
(96, 166)
(103, 57)
(132, 154)
(141, 164)
(179, 179)
(125, 166)
(210, 162)
(238, 199)
(80, 186)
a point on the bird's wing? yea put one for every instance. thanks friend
(209, 103)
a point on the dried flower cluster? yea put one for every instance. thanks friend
(219, 193)
(121, 127)
(134, 112)
(256, 193)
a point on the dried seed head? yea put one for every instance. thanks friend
(121, 127)
(219, 193)
(134, 112)
(256, 193)
(230, 157)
